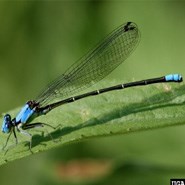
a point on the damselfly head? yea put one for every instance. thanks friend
(7, 124)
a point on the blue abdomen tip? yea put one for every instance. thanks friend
(173, 77)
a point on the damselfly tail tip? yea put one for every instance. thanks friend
(180, 78)
(174, 77)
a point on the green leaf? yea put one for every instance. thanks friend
(117, 112)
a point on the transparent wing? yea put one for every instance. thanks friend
(95, 65)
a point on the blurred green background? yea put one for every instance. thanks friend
(40, 39)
